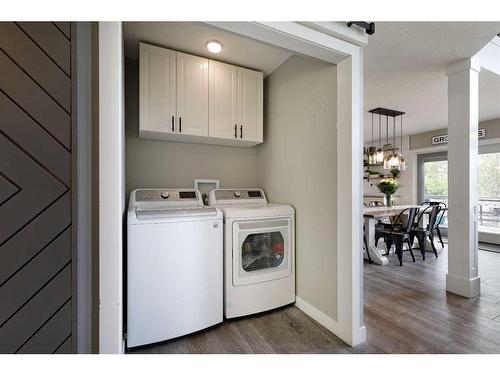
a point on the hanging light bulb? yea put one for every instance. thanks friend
(371, 150)
(392, 160)
(379, 154)
(402, 161)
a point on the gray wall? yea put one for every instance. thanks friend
(297, 164)
(423, 140)
(173, 164)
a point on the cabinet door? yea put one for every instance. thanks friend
(157, 89)
(192, 95)
(222, 100)
(250, 104)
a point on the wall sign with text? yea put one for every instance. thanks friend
(440, 139)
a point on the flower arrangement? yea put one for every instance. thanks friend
(388, 186)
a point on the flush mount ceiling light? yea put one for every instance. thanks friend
(214, 46)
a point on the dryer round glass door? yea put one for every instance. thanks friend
(261, 250)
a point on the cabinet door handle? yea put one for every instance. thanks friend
(235, 131)
(241, 131)
(173, 127)
(180, 124)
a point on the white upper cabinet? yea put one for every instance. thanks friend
(250, 104)
(187, 98)
(192, 95)
(223, 111)
(157, 89)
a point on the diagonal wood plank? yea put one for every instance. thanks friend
(51, 41)
(34, 237)
(36, 141)
(34, 101)
(65, 28)
(34, 275)
(34, 62)
(52, 334)
(39, 189)
(65, 347)
(7, 189)
(17, 330)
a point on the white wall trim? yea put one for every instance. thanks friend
(306, 41)
(354, 35)
(111, 186)
(294, 37)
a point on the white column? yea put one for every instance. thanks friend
(111, 186)
(463, 103)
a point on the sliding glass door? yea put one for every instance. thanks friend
(489, 189)
(433, 185)
(433, 180)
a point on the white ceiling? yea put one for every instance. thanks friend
(405, 64)
(192, 37)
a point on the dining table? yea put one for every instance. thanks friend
(371, 216)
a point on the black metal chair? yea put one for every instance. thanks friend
(440, 219)
(422, 233)
(399, 234)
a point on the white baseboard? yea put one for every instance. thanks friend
(468, 288)
(331, 324)
(323, 319)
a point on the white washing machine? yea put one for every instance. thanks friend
(174, 265)
(259, 251)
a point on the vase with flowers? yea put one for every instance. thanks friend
(388, 186)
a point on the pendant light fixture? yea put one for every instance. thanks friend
(388, 154)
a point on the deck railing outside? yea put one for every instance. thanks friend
(489, 210)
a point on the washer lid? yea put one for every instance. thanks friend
(256, 211)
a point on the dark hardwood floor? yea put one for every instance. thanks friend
(406, 311)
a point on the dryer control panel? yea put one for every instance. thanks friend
(236, 196)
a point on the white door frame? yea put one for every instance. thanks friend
(321, 40)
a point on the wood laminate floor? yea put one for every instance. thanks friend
(407, 310)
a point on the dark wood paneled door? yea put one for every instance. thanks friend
(35, 187)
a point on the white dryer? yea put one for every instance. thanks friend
(259, 251)
(174, 265)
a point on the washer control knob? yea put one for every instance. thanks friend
(237, 194)
(164, 194)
